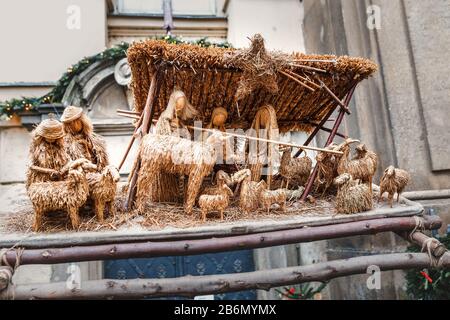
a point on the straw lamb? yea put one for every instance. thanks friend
(393, 181)
(352, 197)
(218, 202)
(68, 195)
(102, 190)
(175, 155)
(221, 177)
(362, 167)
(297, 169)
(250, 190)
(269, 197)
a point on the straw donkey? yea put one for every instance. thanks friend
(175, 155)
(68, 195)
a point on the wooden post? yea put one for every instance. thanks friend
(147, 115)
(312, 177)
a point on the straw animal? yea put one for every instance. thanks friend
(393, 181)
(221, 177)
(269, 197)
(352, 197)
(297, 169)
(80, 140)
(178, 156)
(292, 195)
(327, 164)
(362, 167)
(250, 190)
(102, 190)
(68, 195)
(218, 202)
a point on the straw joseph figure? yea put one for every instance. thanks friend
(80, 140)
(47, 154)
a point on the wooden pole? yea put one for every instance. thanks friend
(190, 286)
(211, 245)
(296, 80)
(340, 117)
(342, 104)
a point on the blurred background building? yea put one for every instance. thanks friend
(402, 112)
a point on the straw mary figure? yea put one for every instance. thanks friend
(176, 114)
(47, 154)
(80, 140)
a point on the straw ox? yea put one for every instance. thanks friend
(174, 155)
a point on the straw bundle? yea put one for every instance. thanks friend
(352, 197)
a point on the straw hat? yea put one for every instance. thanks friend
(71, 113)
(50, 128)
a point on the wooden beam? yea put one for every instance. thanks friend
(190, 286)
(199, 246)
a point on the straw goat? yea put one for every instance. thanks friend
(393, 181)
(102, 190)
(362, 167)
(218, 202)
(221, 177)
(297, 169)
(175, 155)
(327, 164)
(250, 190)
(352, 197)
(68, 195)
(269, 197)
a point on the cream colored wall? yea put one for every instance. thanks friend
(279, 22)
(38, 44)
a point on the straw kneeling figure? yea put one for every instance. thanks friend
(393, 181)
(102, 190)
(352, 197)
(174, 155)
(68, 195)
(297, 169)
(363, 166)
(269, 197)
(218, 202)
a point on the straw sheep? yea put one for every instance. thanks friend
(327, 168)
(393, 181)
(218, 202)
(352, 197)
(102, 190)
(269, 197)
(221, 177)
(68, 195)
(363, 166)
(250, 190)
(175, 155)
(297, 169)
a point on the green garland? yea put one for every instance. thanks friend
(418, 287)
(25, 104)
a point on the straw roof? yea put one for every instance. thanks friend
(210, 79)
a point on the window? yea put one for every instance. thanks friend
(179, 7)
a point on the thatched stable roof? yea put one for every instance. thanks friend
(210, 80)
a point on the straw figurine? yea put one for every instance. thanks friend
(393, 181)
(68, 195)
(102, 190)
(174, 155)
(352, 196)
(218, 202)
(221, 177)
(80, 140)
(47, 154)
(362, 167)
(269, 197)
(327, 164)
(250, 190)
(176, 114)
(296, 169)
